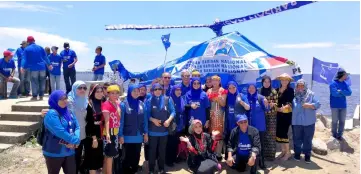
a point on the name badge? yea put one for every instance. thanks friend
(231, 110)
(55, 63)
(154, 107)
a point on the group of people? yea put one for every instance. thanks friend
(200, 124)
(39, 69)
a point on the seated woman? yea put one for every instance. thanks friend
(243, 146)
(61, 135)
(304, 108)
(202, 158)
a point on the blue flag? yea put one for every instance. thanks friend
(324, 72)
(165, 40)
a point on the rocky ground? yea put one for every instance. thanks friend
(342, 159)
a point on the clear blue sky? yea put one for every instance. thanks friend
(327, 30)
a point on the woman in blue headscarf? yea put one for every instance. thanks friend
(133, 129)
(78, 102)
(173, 138)
(160, 113)
(257, 115)
(236, 103)
(61, 135)
(196, 99)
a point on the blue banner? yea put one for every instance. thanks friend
(240, 60)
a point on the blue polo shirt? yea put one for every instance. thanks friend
(55, 61)
(6, 67)
(19, 53)
(68, 57)
(99, 60)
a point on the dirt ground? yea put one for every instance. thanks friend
(28, 159)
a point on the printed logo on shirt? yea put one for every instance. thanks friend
(55, 63)
(196, 103)
(154, 107)
(7, 69)
(96, 63)
(244, 146)
(231, 110)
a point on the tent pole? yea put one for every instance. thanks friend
(165, 58)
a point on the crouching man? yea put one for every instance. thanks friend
(243, 146)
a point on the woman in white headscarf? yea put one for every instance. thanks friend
(304, 108)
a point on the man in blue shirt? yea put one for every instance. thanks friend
(34, 58)
(47, 76)
(99, 63)
(24, 88)
(339, 90)
(7, 71)
(55, 61)
(69, 59)
(166, 77)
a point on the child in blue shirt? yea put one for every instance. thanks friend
(55, 61)
(99, 63)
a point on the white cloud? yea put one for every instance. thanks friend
(12, 37)
(69, 6)
(28, 7)
(305, 45)
(350, 46)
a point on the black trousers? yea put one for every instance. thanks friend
(241, 164)
(132, 157)
(79, 157)
(160, 144)
(261, 155)
(69, 76)
(172, 148)
(54, 164)
(47, 82)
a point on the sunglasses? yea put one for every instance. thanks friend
(157, 89)
(166, 77)
(84, 88)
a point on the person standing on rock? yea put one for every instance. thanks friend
(133, 129)
(339, 90)
(61, 136)
(160, 112)
(304, 109)
(78, 103)
(257, 117)
(269, 148)
(93, 147)
(284, 115)
(34, 58)
(69, 59)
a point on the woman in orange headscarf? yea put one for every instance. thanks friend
(217, 95)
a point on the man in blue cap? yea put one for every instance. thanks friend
(339, 90)
(243, 146)
(7, 72)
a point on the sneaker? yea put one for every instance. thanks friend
(41, 98)
(297, 157)
(33, 99)
(308, 159)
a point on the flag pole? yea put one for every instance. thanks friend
(313, 58)
(165, 58)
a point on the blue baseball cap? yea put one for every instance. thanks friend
(241, 117)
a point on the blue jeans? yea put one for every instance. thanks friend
(55, 82)
(38, 83)
(338, 120)
(302, 139)
(97, 77)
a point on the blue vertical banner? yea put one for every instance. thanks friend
(166, 42)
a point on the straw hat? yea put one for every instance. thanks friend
(285, 76)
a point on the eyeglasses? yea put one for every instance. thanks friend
(84, 88)
(157, 89)
(186, 76)
(166, 77)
